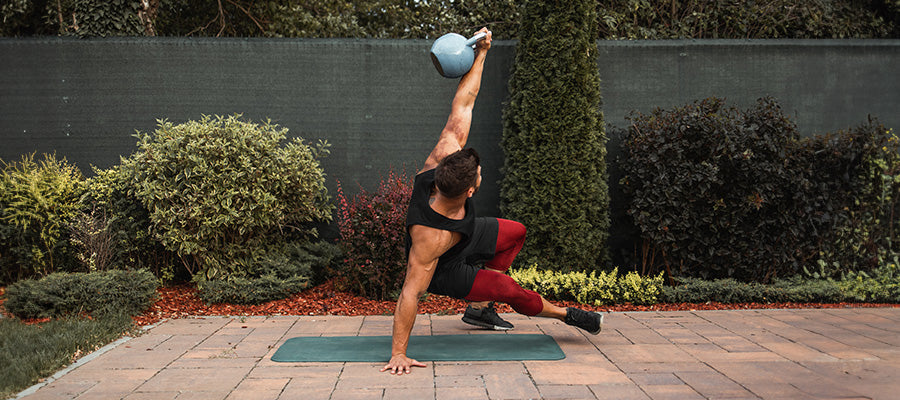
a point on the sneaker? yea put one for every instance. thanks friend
(486, 317)
(587, 320)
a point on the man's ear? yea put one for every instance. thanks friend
(470, 192)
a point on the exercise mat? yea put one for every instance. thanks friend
(486, 347)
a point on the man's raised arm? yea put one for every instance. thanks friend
(456, 131)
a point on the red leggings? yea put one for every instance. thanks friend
(493, 285)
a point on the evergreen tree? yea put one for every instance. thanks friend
(555, 170)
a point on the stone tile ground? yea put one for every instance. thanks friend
(759, 354)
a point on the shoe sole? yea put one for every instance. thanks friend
(597, 332)
(484, 325)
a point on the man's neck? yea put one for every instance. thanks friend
(454, 208)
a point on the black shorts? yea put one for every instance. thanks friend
(454, 276)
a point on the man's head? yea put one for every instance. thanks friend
(458, 172)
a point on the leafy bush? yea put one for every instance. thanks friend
(373, 234)
(699, 19)
(845, 192)
(881, 285)
(217, 188)
(553, 137)
(38, 201)
(707, 187)
(272, 275)
(95, 293)
(29, 353)
(717, 192)
(598, 289)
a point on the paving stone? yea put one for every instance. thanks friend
(510, 386)
(460, 393)
(618, 391)
(549, 392)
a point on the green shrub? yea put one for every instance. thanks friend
(553, 137)
(717, 192)
(881, 285)
(846, 188)
(708, 188)
(598, 289)
(699, 19)
(373, 236)
(38, 201)
(272, 275)
(250, 290)
(112, 215)
(29, 353)
(217, 188)
(95, 293)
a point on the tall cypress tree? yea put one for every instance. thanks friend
(555, 168)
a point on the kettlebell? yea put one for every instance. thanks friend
(453, 54)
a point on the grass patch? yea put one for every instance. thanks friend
(29, 353)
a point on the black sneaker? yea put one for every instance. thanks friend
(486, 317)
(587, 320)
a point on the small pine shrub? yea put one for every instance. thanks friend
(38, 201)
(96, 293)
(601, 288)
(250, 290)
(272, 275)
(373, 234)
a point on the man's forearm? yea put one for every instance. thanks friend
(470, 83)
(404, 319)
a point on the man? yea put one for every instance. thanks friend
(445, 239)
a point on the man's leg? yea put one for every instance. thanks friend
(510, 239)
(494, 286)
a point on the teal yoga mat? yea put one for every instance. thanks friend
(487, 347)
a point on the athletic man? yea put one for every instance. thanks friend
(445, 239)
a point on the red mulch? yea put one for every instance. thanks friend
(182, 301)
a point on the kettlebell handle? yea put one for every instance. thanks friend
(476, 38)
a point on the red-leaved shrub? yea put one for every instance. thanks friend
(373, 234)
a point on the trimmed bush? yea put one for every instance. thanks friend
(707, 187)
(553, 136)
(598, 289)
(717, 192)
(38, 201)
(217, 188)
(272, 275)
(373, 236)
(252, 290)
(95, 293)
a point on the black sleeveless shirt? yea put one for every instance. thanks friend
(453, 276)
(421, 213)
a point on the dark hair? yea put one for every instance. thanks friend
(457, 172)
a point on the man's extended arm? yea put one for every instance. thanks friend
(456, 131)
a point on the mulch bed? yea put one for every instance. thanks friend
(182, 301)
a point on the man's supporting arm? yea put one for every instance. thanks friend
(423, 258)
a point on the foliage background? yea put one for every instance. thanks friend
(618, 19)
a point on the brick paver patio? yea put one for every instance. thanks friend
(756, 354)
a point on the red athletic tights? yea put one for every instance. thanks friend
(491, 284)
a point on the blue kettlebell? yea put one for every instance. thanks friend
(453, 54)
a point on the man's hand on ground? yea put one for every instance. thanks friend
(401, 364)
